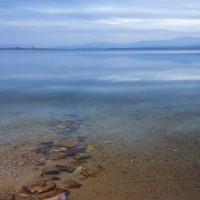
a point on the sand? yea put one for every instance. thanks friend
(161, 166)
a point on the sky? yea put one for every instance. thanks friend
(52, 23)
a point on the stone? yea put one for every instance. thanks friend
(40, 162)
(58, 197)
(81, 147)
(50, 170)
(73, 142)
(57, 156)
(39, 187)
(90, 148)
(84, 171)
(53, 193)
(47, 143)
(82, 156)
(55, 178)
(81, 137)
(72, 152)
(65, 168)
(71, 184)
(42, 150)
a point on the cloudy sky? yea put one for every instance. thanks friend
(66, 22)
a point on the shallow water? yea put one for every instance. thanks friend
(112, 92)
(139, 110)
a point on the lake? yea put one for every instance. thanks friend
(131, 98)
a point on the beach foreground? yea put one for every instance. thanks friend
(162, 165)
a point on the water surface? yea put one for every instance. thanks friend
(112, 92)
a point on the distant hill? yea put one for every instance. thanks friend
(186, 42)
(181, 42)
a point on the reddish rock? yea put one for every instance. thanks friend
(71, 184)
(58, 197)
(39, 187)
(73, 142)
(50, 170)
(57, 156)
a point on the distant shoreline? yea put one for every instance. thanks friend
(104, 49)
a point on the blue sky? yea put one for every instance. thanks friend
(66, 22)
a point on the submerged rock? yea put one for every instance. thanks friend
(71, 184)
(39, 187)
(50, 170)
(72, 152)
(47, 143)
(90, 148)
(82, 156)
(65, 168)
(73, 142)
(58, 197)
(55, 178)
(57, 156)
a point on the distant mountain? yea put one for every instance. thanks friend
(181, 42)
(176, 43)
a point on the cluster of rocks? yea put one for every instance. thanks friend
(62, 156)
(59, 166)
(62, 165)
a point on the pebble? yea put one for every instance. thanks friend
(65, 168)
(39, 187)
(47, 143)
(90, 148)
(71, 184)
(82, 156)
(53, 193)
(72, 151)
(50, 170)
(73, 142)
(57, 156)
(58, 197)
(55, 178)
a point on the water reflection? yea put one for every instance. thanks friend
(103, 66)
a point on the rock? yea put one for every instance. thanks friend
(50, 170)
(87, 173)
(90, 148)
(81, 137)
(77, 162)
(42, 150)
(58, 197)
(57, 156)
(47, 143)
(39, 187)
(65, 168)
(82, 156)
(72, 152)
(55, 178)
(84, 171)
(40, 162)
(71, 184)
(73, 142)
(53, 193)
(81, 147)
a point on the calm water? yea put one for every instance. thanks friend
(109, 91)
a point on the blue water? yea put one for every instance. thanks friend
(109, 91)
